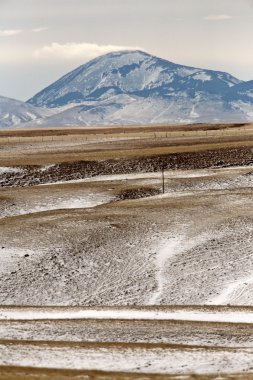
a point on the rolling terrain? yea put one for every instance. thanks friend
(103, 275)
(14, 112)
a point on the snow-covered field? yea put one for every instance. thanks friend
(178, 314)
(58, 203)
(170, 247)
(161, 360)
(166, 340)
(94, 272)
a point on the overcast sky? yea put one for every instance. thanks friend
(40, 40)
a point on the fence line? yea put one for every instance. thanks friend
(129, 136)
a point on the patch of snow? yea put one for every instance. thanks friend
(45, 168)
(9, 258)
(31, 116)
(135, 176)
(204, 77)
(173, 246)
(85, 201)
(30, 313)
(161, 360)
(92, 200)
(185, 71)
(7, 169)
(193, 113)
(233, 292)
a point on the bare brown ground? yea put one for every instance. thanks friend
(20, 373)
(138, 142)
(116, 345)
(49, 156)
(117, 129)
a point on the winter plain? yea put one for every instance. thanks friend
(126, 224)
(126, 252)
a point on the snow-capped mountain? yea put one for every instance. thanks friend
(134, 73)
(147, 111)
(133, 87)
(242, 91)
(14, 112)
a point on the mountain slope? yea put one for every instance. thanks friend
(134, 73)
(14, 112)
(146, 111)
(133, 87)
(242, 91)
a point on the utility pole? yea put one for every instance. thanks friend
(163, 178)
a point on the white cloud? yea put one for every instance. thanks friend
(73, 50)
(38, 30)
(9, 32)
(218, 17)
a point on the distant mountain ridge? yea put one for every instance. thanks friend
(134, 87)
(14, 112)
(242, 91)
(134, 73)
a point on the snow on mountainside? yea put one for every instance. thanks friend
(145, 111)
(134, 73)
(243, 91)
(133, 87)
(14, 112)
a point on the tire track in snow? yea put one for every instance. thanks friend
(174, 246)
(234, 292)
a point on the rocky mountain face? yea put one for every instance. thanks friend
(133, 87)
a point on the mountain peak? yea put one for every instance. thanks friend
(133, 85)
(131, 72)
(119, 53)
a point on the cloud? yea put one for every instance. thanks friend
(218, 17)
(38, 30)
(73, 50)
(9, 32)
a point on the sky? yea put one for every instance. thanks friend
(41, 40)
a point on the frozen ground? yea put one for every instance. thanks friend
(191, 245)
(52, 202)
(169, 331)
(103, 268)
(6, 169)
(128, 359)
(164, 340)
(164, 314)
